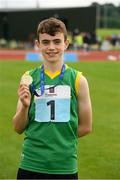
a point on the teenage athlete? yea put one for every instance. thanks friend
(53, 110)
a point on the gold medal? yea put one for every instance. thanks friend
(26, 79)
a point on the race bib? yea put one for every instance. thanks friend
(53, 105)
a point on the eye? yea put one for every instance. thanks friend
(45, 42)
(57, 41)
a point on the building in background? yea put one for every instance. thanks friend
(21, 24)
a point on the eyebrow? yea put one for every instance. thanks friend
(47, 40)
(57, 39)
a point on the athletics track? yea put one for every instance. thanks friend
(82, 55)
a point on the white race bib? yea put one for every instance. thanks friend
(53, 105)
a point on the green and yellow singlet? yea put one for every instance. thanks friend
(50, 144)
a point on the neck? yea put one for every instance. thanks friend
(52, 67)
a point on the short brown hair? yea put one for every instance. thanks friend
(51, 26)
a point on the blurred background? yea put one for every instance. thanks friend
(92, 25)
(94, 35)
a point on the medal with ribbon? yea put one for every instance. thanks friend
(42, 85)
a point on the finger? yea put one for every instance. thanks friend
(23, 86)
(23, 96)
(24, 92)
(23, 89)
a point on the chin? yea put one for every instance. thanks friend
(52, 59)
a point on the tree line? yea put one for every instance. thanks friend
(107, 15)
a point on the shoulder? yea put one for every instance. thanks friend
(83, 81)
(75, 76)
(73, 72)
(83, 88)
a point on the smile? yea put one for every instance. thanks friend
(51, 54)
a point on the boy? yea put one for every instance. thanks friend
(53, 110)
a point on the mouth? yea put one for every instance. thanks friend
(52, 54)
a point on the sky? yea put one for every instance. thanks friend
(51, 3)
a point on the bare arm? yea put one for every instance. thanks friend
(20, 119)
(84, 108)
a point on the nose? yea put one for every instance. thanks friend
(51, 46)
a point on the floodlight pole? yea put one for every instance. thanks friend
(105, 15)
(97, 16)
(37, 4)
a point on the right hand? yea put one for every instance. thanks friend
(24, 95)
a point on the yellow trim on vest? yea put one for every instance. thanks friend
(66, 66)
(77, 82)
(52, 75)
(56, 73)
(26, 73)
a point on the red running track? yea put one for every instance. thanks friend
(82, 55)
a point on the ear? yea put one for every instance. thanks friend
(66, 44)
(37, 43)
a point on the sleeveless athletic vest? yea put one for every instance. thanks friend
(50, 143)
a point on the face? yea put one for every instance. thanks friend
(52, 47)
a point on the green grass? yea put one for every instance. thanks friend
(106, 32)
(99, 152)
